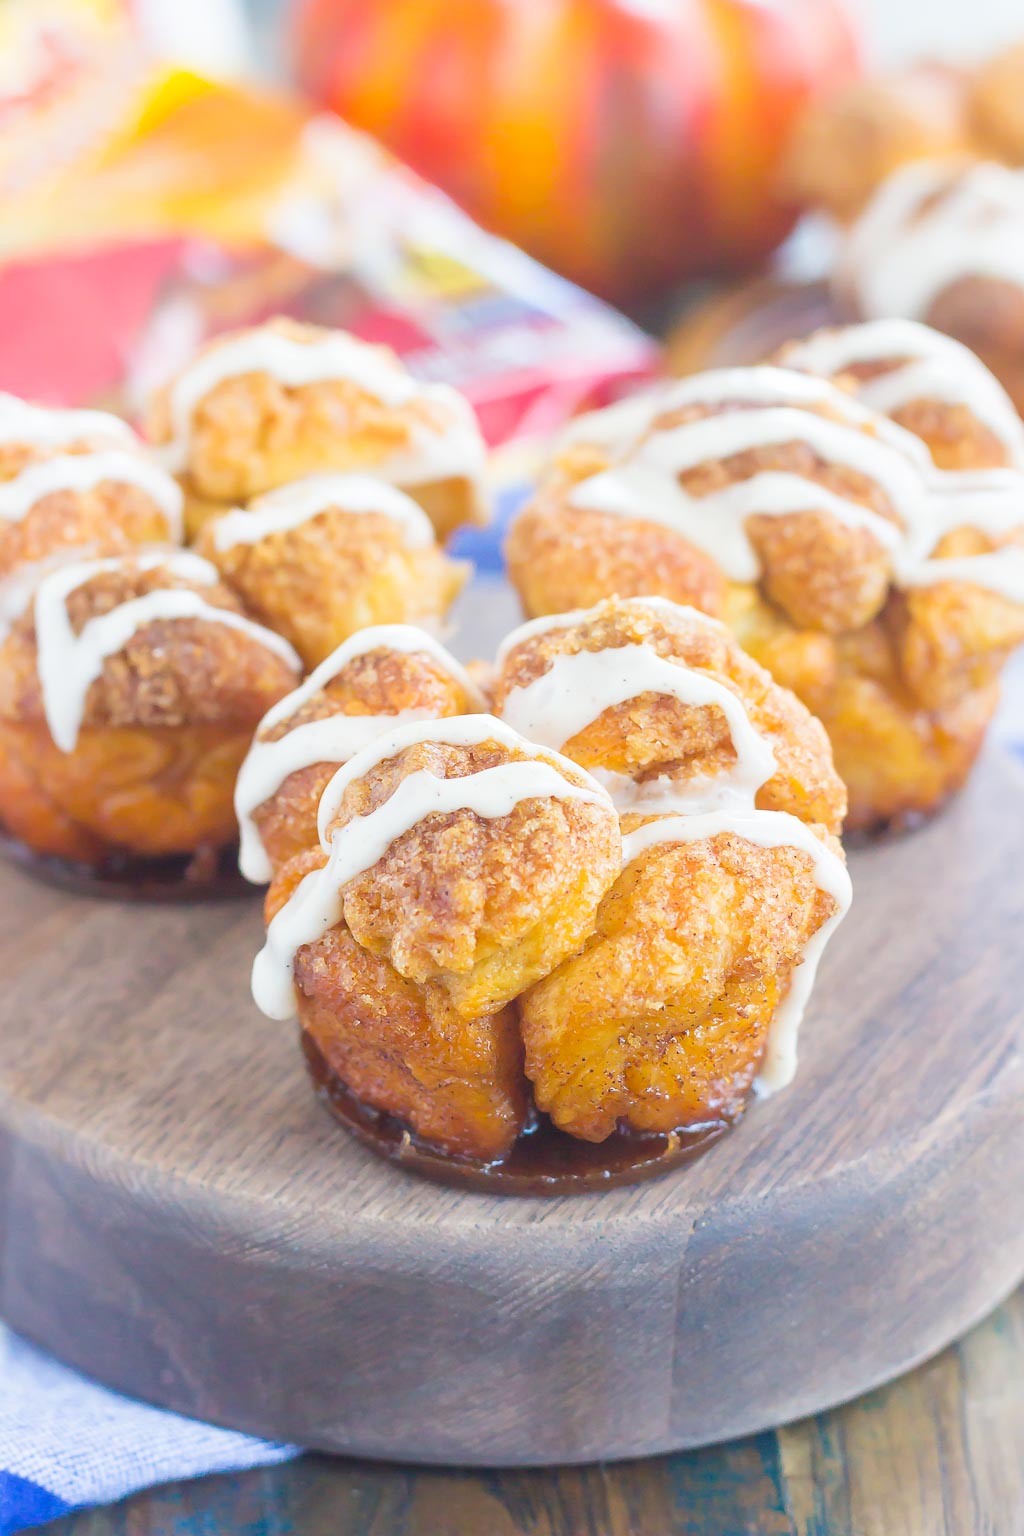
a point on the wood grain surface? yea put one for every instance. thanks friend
(938, 1453)
(182, 1220)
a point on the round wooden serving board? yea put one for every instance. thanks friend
(181, 1218)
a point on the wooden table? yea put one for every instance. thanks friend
(938, 1453)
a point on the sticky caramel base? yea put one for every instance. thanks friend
(544, 1160)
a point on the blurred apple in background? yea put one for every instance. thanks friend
(629, 144)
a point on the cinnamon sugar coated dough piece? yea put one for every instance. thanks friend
(380, 677)
(663, 1020)
(482, 906)
(331, 554)
(258, 409)
(847, 143)
(76, 479)
(850, 142)
(129, 691)
(651, 730)
(996, 105)
(401, 1047)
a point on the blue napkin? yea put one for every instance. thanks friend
(65, 1442)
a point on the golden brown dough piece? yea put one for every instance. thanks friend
(373, 682)
(662, 1021)
(473, 894)
(480, 904)
(329, 555)
(562, 557)
(258, 409)
(129, 691)
(402, 1048)
(652, 743)
(849, 142)
(996, 105)
(76, 479)
(825, 528)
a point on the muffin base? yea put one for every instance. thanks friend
(210, 874)
(543, 1161)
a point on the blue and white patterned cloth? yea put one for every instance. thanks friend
(65, 1442)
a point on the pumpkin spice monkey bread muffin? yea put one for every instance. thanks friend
(595, 905)
(884, 590)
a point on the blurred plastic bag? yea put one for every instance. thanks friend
(147, 209)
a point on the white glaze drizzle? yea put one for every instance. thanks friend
(54, 427)
(991, 501)
(549, 622)
(577, 689)
(644, 483)
(902, 254)
(316, 904)
(712, 438)
(768, 829)
(18, 587)
(299, 502)
(69, 663)
(646, 487)
(716, 523)
(930, 366)
(84, 472)
(1000, 571)
(619, 428)
(455, 730)
(332, 740)
(616, 427)
(456, 450)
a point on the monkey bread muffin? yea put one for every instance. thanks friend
(883, 588)
(599, 909)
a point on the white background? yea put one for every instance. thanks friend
(212, 34)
